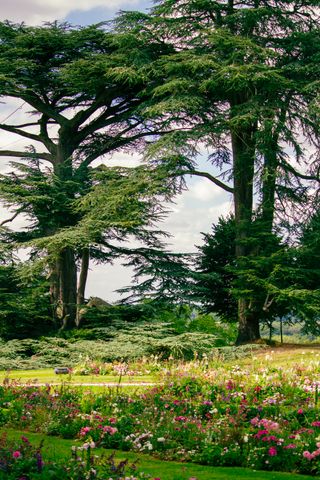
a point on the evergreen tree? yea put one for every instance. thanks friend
(242, 79)
(84, 87)
(25, 306)
(216, 265)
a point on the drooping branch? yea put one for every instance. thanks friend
(289, 168)
(8, 220)
(117, 142)
(210, 177)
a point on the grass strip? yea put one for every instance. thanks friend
(58, 450)
(47, 375)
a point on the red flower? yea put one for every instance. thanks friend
(272, 451)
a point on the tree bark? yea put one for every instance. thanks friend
(67, 262)
(243, 148)
(82, 283)
(248, 327)
(54, 287)
(269, 176)
(68, 288)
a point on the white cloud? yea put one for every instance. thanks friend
(120, 159)
(189, 217)
(204, 190)
(37, 11)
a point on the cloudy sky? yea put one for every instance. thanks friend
(192, 213)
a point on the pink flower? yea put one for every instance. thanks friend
(111, 430)
(308, 455)
(180, 418)
(261, 433)
(255, 421)
(16, 454)
(316, 423)
(290, 445)
(300, 411)
(269, 438)
(84, 431)
(272, 451)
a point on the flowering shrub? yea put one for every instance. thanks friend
(259, 417)
(19, 460)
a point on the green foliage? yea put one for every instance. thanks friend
(89, 83)
(240, 83)
(216, 263)
(129, 342)
(25, 305)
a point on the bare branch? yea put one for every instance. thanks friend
(8, 220)
(210, 177)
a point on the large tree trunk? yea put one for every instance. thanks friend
(269, 176)
(243, 147)
(63, 170)
(248, 326)
(54, 288)
(82, 283)
(68, 288)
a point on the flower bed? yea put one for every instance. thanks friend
(266, 418)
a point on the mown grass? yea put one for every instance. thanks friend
(56, 449)
(284, 356)
(48, 376)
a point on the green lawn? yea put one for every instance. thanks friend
(48, 376)
(59, 449)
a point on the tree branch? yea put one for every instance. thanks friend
(210, 177)
(21, 133)
(10, 153)
(40, 106)
(289, 168)
(117, 142)
(8, 220)
(46, 140)
(111, 116)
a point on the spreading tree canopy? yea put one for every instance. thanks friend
(244, 75)
(83, 89)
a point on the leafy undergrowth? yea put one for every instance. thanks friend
(158, 340)
(59, 451)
